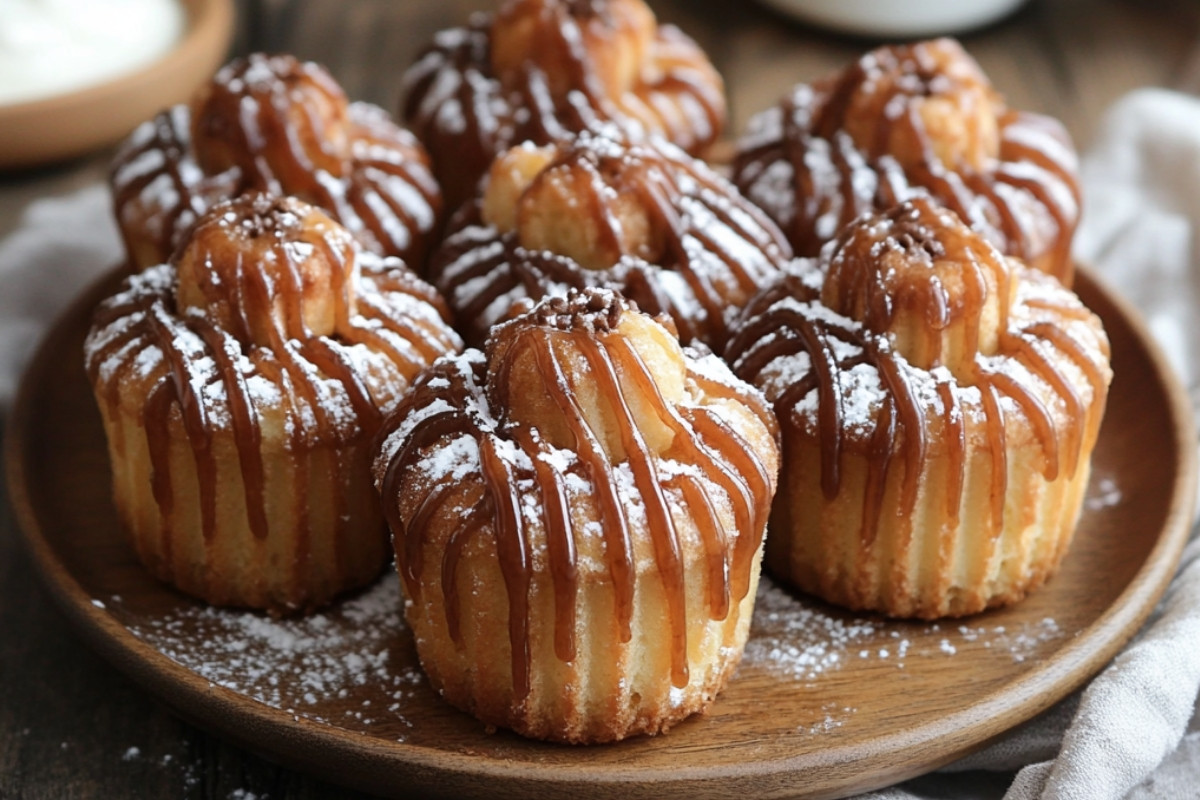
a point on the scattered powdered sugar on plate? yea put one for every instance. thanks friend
(1103, 493)
(834, 717)
(792, 640)
(1022, 642)
(795, 638)
(296, 665)
(309, 666)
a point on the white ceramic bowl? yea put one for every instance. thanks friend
(897, 18)
(71, 124)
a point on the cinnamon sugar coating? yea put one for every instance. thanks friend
(646, 220)
(276, 125)
(542, 70)
(241, 387)
(906, 121)
(578, 514)
(939, 403)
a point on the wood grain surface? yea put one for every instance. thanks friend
(71, 726)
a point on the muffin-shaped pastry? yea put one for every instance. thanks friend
(541, 70)
(905, 121)
(273, 124)
(578, 516)
(647, 220)
(938, 402)
(241, 387)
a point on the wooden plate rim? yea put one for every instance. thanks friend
(306, 744)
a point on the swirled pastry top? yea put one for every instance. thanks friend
(909, 120)
(913, 333)
(274, 124)
(270, 323)
(647, 220)
(540, 70)
(583, 442)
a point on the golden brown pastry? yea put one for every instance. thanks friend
(646, 220)
(910, 120)
(938, 402)
(541, 70)
(241, 387)
(274, 124)
(578, 516)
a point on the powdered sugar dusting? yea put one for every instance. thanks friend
(1103, 493)
(297, 665)
(799, 639)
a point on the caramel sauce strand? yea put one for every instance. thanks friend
(691, 441)
(430, 430)
(1015, 242)
(764, 233)
(166, 332)
(794, 143)
(659, 193)
(512, 547)
(173, 142)
(955, 435)
(275, 371)
(157, 412)
(744, 478)
(1040, 364)
(333, 362)
(374, 338)
(751, 400)
(997, 443)
(610, 230)
(1038, 416)
(829, 407)
(247, 434)
(618, 545)
(912, 421)
(560, 543)
(339, 281)
(663, 536)
(841, 153)
(716, 543)
(878, 465)
(1074, 350)
(472, 523)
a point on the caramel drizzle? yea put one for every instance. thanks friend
(701, 440)
(499, 111)
(719, 279)
(385, 190)
(296, 362)
(773, 330)
(812, 142)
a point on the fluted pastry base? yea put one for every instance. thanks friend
(943, 559)
(325, 534)
(611, 689)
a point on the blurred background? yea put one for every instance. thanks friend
(1071, 58)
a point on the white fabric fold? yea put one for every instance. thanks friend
(62, 244)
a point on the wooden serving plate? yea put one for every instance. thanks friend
(825, 704)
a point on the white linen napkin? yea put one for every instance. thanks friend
(1126, 734)
(62, 244)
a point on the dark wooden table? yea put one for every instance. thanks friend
(73, 727)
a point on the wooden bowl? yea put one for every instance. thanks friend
(55, 128)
